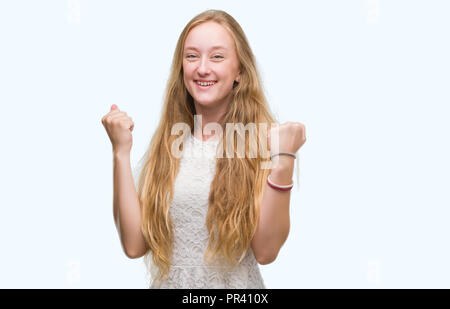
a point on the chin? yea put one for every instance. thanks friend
(205, 101)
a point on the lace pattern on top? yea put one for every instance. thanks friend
(188, 210)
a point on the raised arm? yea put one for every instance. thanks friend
(126, 208)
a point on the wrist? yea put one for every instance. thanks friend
(283, 163)
(121, 155)
(283, 171)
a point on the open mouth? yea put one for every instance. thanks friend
(205, 84)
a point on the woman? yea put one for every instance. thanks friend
(205, 220)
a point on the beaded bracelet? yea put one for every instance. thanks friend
(279, 187)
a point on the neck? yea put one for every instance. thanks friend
(209, 114)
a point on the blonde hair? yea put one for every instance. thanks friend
(233, 213)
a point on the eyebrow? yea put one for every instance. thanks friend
(212, 48)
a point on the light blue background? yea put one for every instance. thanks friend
(369, 79)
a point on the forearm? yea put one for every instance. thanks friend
(274, 221)
(126, 209)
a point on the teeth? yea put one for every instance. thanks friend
(205, 84)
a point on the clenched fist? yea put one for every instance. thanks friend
(119, 126)
(291, 136)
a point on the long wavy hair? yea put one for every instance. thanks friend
(233, 212)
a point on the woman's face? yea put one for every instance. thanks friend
(210, 57)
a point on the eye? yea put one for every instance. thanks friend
(189, 56)
(218, 56)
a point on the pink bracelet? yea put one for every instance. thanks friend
(279, 187)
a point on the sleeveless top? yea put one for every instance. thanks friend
(188, 210)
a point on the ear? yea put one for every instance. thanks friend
(238, 78)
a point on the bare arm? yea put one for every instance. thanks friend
(274, 222)
(126, 209)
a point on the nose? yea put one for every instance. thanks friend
(203, 67)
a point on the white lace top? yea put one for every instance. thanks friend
(188, 210)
